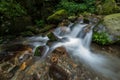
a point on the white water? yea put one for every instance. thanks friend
(79, 48)
(77, 43)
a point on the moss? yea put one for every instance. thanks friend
(112, 23)
(57, 16)
(51, 36)
(38, 51)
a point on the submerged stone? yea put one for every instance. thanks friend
(57, 73)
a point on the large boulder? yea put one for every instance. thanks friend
(108, 31)
(112, 23)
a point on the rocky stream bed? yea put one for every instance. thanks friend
(56, 66)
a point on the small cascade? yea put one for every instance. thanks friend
(76, 38)
(78, 46)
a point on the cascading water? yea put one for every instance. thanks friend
(78, 46)
(76, 39)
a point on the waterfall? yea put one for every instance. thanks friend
(78, 46)
(77, 39)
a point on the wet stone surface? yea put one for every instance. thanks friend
(57, 66)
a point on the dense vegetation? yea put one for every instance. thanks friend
(29, 17)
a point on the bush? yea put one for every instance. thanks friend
(101, 38)
(11, 8)
(40, 23)
(73, 7)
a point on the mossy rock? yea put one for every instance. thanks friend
(112, 23)
(57, 16)
(38, 51)
(108, 30)
(51, 37)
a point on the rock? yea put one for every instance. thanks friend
(18, 55)
(57, 16)
(41, 50)
(112, 23)
(108, 30)
(52, 37)
(23, 66)
(57, 73)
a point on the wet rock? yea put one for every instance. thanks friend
(35, 77)
(60, 51)
(16, 54)
(112, 23)
(41, 50)
(109, 27)
(57, 73)
(52, 37)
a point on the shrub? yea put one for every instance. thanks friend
(11, 8)
(40, 23)
(73, 7)
(101, 38)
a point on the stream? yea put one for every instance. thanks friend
(77, 40)
(78, 46)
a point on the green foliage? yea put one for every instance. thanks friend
(73, 7)
(101, 38)
(11, 8)
(40, 23)
(109, 6)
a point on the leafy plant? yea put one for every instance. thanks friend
(40, 23)
(11, 8)
(101, 38)
(73, 7)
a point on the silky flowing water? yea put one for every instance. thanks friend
(78, 46)
(77, 39)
